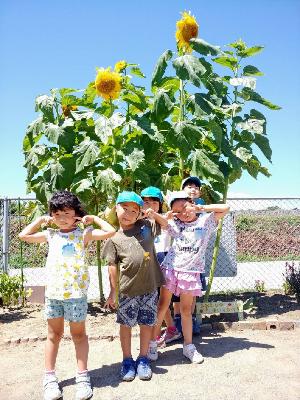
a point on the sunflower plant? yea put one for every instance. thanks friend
(210, 128)
(112, 135)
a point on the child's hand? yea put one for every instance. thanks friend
(46, 220)
(170, 215)
(110, 301)
(88, 219)
(149, 213)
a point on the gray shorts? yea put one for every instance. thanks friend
(138, 310)
(73, 310)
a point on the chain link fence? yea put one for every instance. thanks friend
(258, 237)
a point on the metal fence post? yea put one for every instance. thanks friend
(5, 241)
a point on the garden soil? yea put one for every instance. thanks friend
(244, 365)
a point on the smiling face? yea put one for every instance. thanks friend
(65, 219)
(128, 213)
(192, 190)
(151, 202)
(180, 207)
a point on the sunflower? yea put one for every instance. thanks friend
(67, 109)
(108, 84)
(187, 28)
(120, 66)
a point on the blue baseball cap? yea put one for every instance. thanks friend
(152, 191)
(129, 197)
(191, 179)
(177, 196)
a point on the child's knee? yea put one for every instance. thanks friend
(79, 337)
(54, 336)
(185, 310)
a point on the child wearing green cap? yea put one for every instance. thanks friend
(132, 251)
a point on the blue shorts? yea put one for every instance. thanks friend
(138, 310)
(73, 310)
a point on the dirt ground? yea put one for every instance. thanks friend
(249, 365)
(246, 365)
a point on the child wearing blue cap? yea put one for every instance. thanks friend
(153, 198)
(132, 251)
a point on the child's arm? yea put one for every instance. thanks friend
(220, 210)
(160, 219)
(113, 279)
(30, 233)
(105, 232)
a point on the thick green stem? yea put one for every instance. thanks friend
(113, 139)
(181, 118)
(99, 263)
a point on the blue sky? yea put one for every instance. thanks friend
(58, 43)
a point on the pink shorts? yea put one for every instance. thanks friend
(179, 282)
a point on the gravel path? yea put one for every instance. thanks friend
(251, 365)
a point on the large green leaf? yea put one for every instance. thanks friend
(88, 152)
(227, 61)
(82, 185)
(169, 83)
(250, 51)
(202, 47)
(136, 98)
(250, 95)
(250, 70)
(189, 68)
(263, 143)
(161, 66)
(162, 106)
(243, 153)
(35, 127)
(203, 165)
(53, 132)
(200, 105)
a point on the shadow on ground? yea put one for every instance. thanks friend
(211, 346)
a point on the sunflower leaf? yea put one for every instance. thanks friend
(202, 47)
(161, 66)
(205, 166)
(162, 106)
(88, 151)
(190, 68)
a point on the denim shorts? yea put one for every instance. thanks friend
(73, 310)
(138, 310)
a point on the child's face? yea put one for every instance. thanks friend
(65, 219)
(180, 207)
(151, 202)
(127, 213)
(192, 190)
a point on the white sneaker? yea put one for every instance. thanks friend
(152, 354)
(51, 388)
(190, 352)
(83, 387)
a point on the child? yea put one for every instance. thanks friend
(184, 262)
(192, 187)
(67, 283)
(132, 250)
(153, 199)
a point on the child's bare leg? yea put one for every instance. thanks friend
(145, 337)
(193, 304)
(55, 332)
(163, 305)
(168, 318)
(186, 301)
(80, 340)
(125, 338)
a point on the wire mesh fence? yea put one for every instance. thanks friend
(258, 237)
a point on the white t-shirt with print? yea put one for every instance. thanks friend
(187, 253)
(67, 273)
(162, 242)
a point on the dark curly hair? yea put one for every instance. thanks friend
(64, 199)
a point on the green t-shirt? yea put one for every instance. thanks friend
(133, 250)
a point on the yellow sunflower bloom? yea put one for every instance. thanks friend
(67, 295)
(108, 84)
(120, 66)
(187, 28)
(67, 110)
